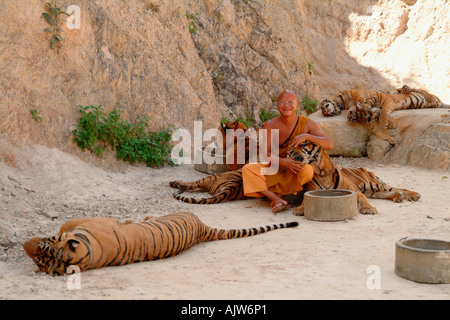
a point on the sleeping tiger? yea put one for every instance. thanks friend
(379, 105)
(232, 144)
(348, 99)
(92, 243)
(223, 187)
(328, 176)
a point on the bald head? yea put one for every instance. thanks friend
(287, 95)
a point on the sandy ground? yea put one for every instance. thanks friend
(41, 188)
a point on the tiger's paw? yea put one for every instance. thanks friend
(413, 196)
(368, 210)
(399, 197)
(174, 184)
(298, 211)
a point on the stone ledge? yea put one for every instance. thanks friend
(415, 137)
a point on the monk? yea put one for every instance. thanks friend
(291, 175)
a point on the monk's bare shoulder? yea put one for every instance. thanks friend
(272, 123)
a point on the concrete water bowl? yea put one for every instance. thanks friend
(423, 260)
(330, 205)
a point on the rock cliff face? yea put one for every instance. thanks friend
(179, 61)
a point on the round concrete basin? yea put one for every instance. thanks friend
(423, 260)
(330, 205)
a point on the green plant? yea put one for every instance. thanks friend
(310, 68)
(225, 120)
(267, 114)
(34, 115)
(153, 7)
(218, 76)
(52, 18)
(192, 17)
(310, 105)
(132, 142)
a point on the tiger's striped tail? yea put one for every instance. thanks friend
(224, 234)
(218, 198)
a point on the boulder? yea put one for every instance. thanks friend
(415, 137)
(428, 149)
(348, 140)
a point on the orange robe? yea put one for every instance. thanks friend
(284, 181)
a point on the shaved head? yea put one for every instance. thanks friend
(286, 95)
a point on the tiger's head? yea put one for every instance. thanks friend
(330, 108)
(55, 254)
(363, 114)
(313, 154)
(306, 152)
(235, 125)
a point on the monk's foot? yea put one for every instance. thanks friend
(279, 205)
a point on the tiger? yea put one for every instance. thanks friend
(92, 243)
(347, 99)
(223, 187)
(328, 176)
(250, 138)
(378, 106)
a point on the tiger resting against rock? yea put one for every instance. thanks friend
(347, 99)
(92, 243)
(328, 176)
(378, 106)
(366, 106)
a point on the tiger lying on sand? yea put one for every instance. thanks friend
(328, 176)
(92, 243)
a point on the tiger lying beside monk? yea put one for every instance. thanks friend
(92, 243)
(328, 176)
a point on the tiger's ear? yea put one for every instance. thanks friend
(73, 244)
(224, 125)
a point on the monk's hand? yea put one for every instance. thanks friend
(298, 140)
(295, 166)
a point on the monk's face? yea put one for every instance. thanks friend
(287, 104)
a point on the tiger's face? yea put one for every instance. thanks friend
(235, 125)
(306, 152)
(330, 108)
(55, 254)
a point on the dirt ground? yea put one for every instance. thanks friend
(41, 188)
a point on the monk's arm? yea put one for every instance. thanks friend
(314, 134)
